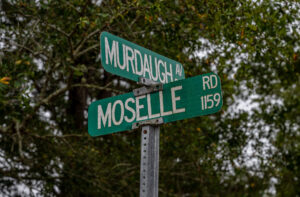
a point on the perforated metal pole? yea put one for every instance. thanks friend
(149, 144)
(149, 161)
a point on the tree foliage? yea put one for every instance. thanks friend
(51, 71)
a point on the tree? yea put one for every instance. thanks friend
(50, 51)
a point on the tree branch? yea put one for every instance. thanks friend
(20, 145)
(60, 91)
(81, 43)
(86, 50)
(58, 29)
(97, 87)
(54, 94)
(57, 136)
(34, 53)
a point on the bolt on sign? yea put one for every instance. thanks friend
(187, 98)
(126, 59)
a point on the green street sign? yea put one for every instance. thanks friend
(126, 59)
(195, 96)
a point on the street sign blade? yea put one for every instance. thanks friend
(126, 59)
(195, 96)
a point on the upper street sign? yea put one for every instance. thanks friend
(126, 59)
(195, 96)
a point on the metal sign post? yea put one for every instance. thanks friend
(149, 145)
(149, 161)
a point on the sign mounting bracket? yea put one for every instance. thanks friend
(153, 122)
(150, 86)
(147, 82)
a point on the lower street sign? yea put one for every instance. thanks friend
(187, 98)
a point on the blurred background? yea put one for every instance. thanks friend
(50, 71)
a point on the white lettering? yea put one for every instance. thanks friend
(209, 101)
(121, 112)
(104, 118)
(129, 59)
(211, 81)
(111, 53)
(178, 70)
(205, 81)
(121, 66)
(151, 69)
(160, 62)
(174, 99)
(129, 109)
(150, 109)
(161, 100)
(138, 107)
(136, 54)
(170, 74)
(146, 65)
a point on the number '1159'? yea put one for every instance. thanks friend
(210, 100)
